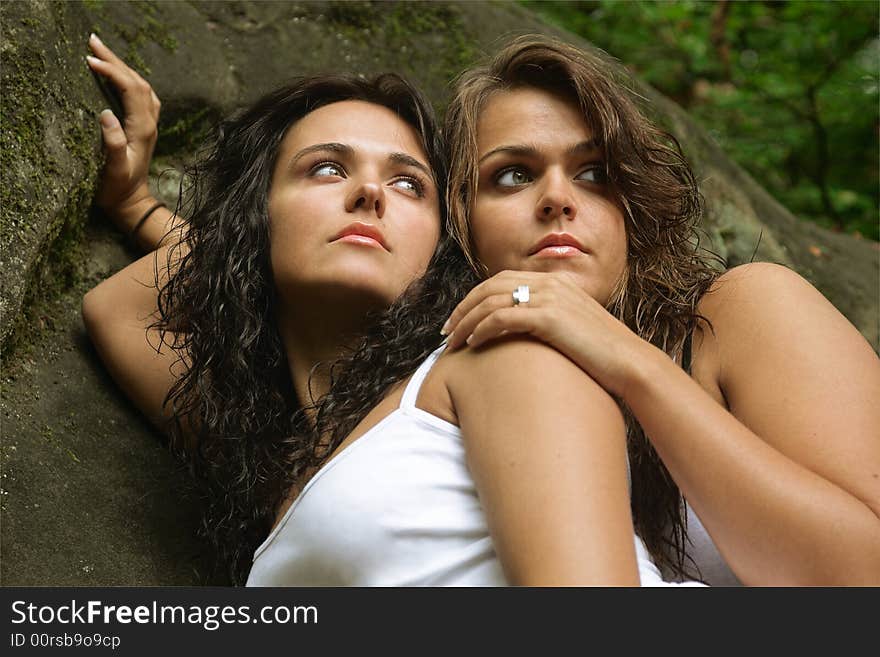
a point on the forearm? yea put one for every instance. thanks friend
(118, 315)
(160, 227)
(546, 448)
(774, 520)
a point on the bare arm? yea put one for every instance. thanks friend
(546, 446)
(117, 314)
(788, 481)
(784, 469)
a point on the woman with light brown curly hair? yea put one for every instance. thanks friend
(750, 400)
(306, 211)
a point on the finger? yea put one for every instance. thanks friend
(142, 87)
(143, 107)
(470, 301)
(476, 315)
(115, 141)
(101, 50)
(500, 283)
(138, 100)
(120, 76)
(504, 321)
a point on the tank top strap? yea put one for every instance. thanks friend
(411, 393)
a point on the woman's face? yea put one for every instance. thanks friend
(542, 203)
(353, 206)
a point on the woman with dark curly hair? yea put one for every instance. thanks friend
(745, 393)
(312, 209)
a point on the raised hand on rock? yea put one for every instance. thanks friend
(128, 147)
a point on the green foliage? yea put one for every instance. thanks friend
(789, 89)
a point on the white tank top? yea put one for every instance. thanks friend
(712, 566)
(397, 507)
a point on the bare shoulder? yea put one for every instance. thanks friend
(746, 287)
(761, 300)
(521, 367)
(508, 356)
(797, 373)
(769, 322)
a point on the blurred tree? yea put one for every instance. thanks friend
(788, 89)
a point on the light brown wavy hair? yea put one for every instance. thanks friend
(666, 272)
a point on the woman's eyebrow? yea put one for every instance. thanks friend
(584, 147)
(332, 147)
(409, 160)
(347, 151)
(516, 151)
(522, 150)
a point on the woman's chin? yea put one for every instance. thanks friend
(354, 286)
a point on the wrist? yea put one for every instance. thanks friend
(127, 213)
(648, 368)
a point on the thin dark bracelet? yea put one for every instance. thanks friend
(146, 216)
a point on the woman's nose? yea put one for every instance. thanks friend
(557, 199)
(367, 196)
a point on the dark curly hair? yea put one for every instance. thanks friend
(236, 420)
(666, 272)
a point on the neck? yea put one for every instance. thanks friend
(315, 338)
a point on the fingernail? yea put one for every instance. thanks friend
(94, 37)
(470, 338)
(445, 329)
(92, 60)
(108, 119)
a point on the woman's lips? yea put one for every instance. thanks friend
(362, 234)
(360, 239)
(558, 245)
(558, 251)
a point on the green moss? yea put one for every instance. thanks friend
(22, 122)
(425, 18)
(186, 132)
(24, 167)
(34, 85)
(405, 27)
(148, 27)
(56, 272)
(31, 84)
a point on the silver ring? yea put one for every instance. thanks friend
(521, 295)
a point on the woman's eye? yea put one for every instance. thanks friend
(328, 169)
(409, 185)
(513, 178)
(592, 174)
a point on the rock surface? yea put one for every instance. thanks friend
(89, 495)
